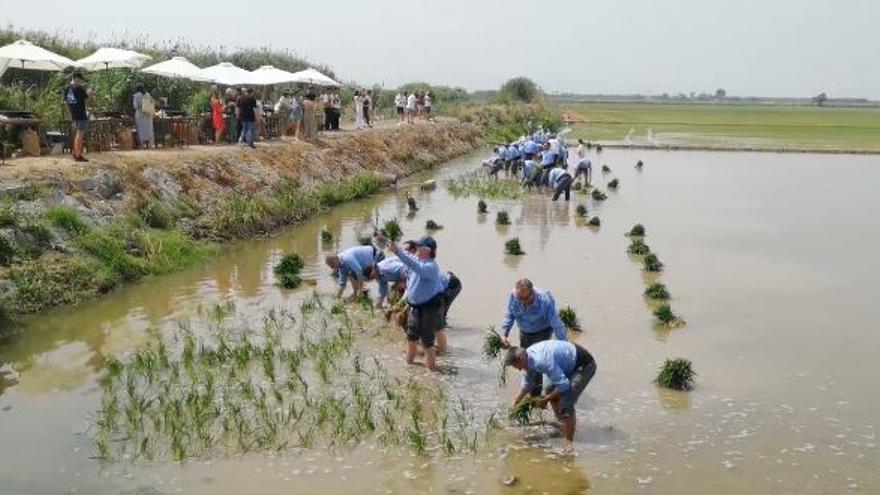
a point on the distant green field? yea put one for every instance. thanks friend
(855, 129)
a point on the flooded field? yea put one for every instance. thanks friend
(769, 258)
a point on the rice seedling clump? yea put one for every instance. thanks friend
(581, 211)
(598, 195)
(652, 263)
(432, 225)
(287, 271)
(482, 207)
(391, 230)
(606, 169)
(569, 319)
(638, 230)
(613, 184)
(512, 247)
(478, 184)
(638, 247)
(665, 315)
(492, 344)
(594, 222)
(502, 218)
(521, 412)
(676, 374)
(657, 291)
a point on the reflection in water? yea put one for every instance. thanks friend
(533, 470)
(674, 399)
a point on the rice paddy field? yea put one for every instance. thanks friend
(728, 126)
(728, 299)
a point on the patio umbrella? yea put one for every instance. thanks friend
(25, 55)
(311, 76)
(268, 75)
(228, 74)
(113, 58)
(177, 67)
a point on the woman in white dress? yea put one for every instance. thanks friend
(358, 109)
(144, 109)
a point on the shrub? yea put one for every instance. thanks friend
(512, 247)
(594, 222)
(38, 238)
(157, 215)
(8, 217)
(502, 218)
(287, 271)
(676, 374)
(569, 319)
(657, 291)
(66, 218)
(638, 248)
(521, 89)
(638, 230)
(652, 263)
(481, 207)
(581, 210)
(598, 195)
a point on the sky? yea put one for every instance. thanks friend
(748, 47)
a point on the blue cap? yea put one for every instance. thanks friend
(428, 241)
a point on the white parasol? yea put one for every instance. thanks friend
(228, 74)
(113, 58)
(268, 75)
(177, 67)
(25, 55)
(311, 76)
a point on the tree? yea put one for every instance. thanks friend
(720, 94)
(519, 89)
(820, 98)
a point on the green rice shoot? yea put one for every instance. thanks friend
(638, 248)
(492, 344)
(287, 271)
(657, 292)
(676, 374)
(513, 248)
(652, 263)
(502, 218)
(569, 319)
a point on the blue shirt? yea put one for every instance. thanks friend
(390, 270)
(584, 164)
(423, 278)
(352, 262)
(513, 153)
(531, 147)
(554, 176)
(553, 358)
(540, 315)
(548, 159)
(529, 167)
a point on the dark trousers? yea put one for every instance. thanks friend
(328, 118)
(563, 185)
(334, 118)
(451, 293)
(526, 340)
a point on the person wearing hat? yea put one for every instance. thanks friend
(75, 96)
(390, 270)
(569, 368)
(424, 294)
(350, 264)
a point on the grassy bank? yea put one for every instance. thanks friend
(856, 129)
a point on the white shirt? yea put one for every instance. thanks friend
(581, 151)
(400, 100)
(411, 101)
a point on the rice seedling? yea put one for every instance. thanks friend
(338, 308)
(391, 230)
(502, 218)
(613, 184)
(482, 207)
(638, 230)
(639, 164)
(326, 236)
(657, 291)
(638, 248)
(652, 264)
(512, 247)
(606, 169)
(521, 412)
(598, 195)
(287, 271)
(492, 344)
(581, 211)
(432, 225)
(676, 374)
(478, 184)
(664, 314)
(569, 319)
(594, 222)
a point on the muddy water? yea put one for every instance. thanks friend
(770, 259)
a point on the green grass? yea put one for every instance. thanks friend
(7, 251)
(594, 222)
(66, 218)
(731, 125)
(676, 374)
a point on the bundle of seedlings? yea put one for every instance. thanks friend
(666, 317)
(657, 292)
(638, 230)
(492, 343)
(638, 248)
(676, 374)
(502, 218)
(287, 271)
(326, 235)
(598, 195)
(391, 230)
(652, 263)
(432, 225)
(569, 319)
(512, 247)
(598, 148)
(606, 169)
(594, 222)
(581, 211)
(613, 184)
(521, 412)
(482, 207)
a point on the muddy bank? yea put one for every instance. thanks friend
(69, 233)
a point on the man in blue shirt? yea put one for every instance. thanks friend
(424, 294)
(514, 156)
(389, 270)
(350, 264)
(568, 367)
(560, 182)
(534, 312)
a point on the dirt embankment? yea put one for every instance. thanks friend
(69, 232)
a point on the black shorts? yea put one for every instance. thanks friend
(583, 372)
(424, 320)
(399, 110)
(450, 294)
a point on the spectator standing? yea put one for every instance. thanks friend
(410, 108)
(247, 113)
(336, 114)
(358, 109)
(296, 116)
(75, 96)
(326, 101)
(420, 105)
(368, 107)
(144, 110)
(429, 101)
(310, 105)
(218, 120)
(400, 105)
